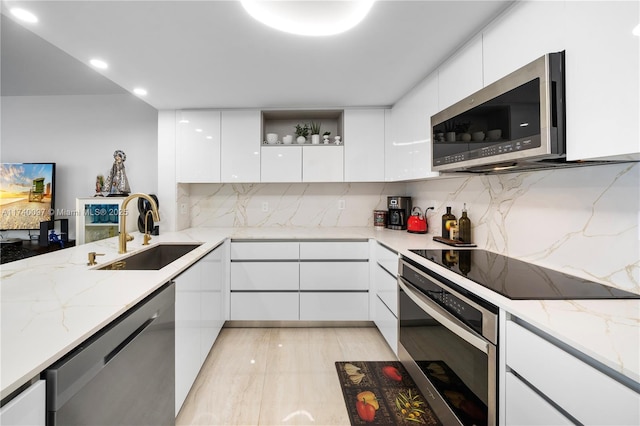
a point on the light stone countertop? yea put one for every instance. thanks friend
(53, 302)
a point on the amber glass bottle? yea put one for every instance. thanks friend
(464, 225)
(448, 219)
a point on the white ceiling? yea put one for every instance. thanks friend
(212, 54)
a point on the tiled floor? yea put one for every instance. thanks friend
(278, 376)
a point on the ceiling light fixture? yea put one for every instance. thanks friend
(139, 91)
(309, 18)
(24, 15)
(99, 63)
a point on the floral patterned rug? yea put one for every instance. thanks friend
(382, 393)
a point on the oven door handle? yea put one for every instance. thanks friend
(443, 317)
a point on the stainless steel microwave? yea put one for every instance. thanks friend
(515, 123)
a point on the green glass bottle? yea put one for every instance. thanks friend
(448, 219)
(464, 225)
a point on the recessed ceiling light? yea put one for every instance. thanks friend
(183, 121)
(309, 18)
(198, 130)
(24, 15)
(140, 91)
(99, 63)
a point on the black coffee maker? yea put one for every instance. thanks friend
(398, 213)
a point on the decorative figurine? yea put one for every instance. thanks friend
(117, 184)
(337, 139)
(99, 185)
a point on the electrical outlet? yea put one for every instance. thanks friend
(265, 206)
(341, 204)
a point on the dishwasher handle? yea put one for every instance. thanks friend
(68, 376)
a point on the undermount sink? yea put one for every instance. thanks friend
(152, 259)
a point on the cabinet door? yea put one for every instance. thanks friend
(271, 306)
(602, 84)
(329, 306)
(364, 131)
(198, 146)
(265, 276)
(386, 286)
(334, 276)
(517, 38)
(212, 300)
(334, 250)
(28, 408)
(526, 407)
(281, 164)
(250, 250)
(322, 164)
(569, 381)
(387, 324)
(187, 333)
(461, 75)
(408, 150)
(240, 142)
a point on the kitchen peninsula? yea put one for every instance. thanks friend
(53, 302)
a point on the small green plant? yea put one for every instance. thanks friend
(302, 130)
(315, 128)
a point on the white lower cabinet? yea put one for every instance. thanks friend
(387, 324)
(526, 407)
(291, 280)
(199, 313)
(334, 306)
(577, 388)
(384, 294)
(264, 306)
(28, 408)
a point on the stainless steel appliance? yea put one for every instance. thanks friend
(518, 122)
(124, 375)
(447, 342)
(399, 212)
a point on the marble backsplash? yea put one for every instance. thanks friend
(581, 220)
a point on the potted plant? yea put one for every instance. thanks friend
(315, 132)
(325, 136)
(302, 132)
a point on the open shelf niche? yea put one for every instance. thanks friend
(283, 122)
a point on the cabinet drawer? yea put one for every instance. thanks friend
(264, 250)
(334, 276)
(264, 276)
(526, 407)
(387, 258)
(327, 306)
(386, 286)
(335, 250)
(387, 323)
(587, 394)
(264, 306)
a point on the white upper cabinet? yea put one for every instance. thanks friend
(323, 163)
(408, 147)
(240, 141)
(525, 32)
(602, 80)
(461, 75)
(281, 164)
(364, 135)
(198, 146)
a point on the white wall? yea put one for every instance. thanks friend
(80, 134)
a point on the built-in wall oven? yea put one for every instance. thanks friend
(447, 342)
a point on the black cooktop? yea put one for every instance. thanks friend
(520, 280)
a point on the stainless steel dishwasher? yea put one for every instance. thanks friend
(124, 375)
